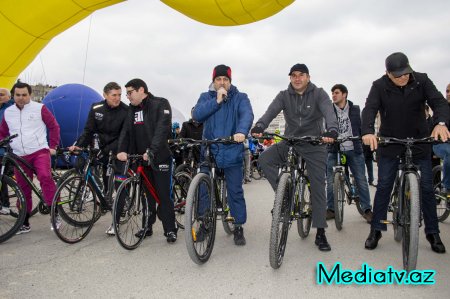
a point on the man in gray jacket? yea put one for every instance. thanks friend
(305, 107)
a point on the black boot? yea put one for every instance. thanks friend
(372, 239)
(321, 240)
(436, 243)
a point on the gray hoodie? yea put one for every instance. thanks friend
(304, 114)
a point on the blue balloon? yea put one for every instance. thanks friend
(70, 104)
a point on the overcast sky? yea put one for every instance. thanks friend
(343, 41)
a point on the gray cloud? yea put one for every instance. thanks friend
(341, 42)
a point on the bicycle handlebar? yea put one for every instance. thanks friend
(305, 139)
(224, 140)
(8, 139)
(406, 141)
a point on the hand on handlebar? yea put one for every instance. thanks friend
(440, 132)
(122, 156)
(370, 139)
(239, 137)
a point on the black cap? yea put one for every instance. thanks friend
(221, 70)
(299, 67)
(397, 64)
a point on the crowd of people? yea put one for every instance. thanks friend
(399, 97)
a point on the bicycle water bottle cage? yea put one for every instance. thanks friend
(343, 159)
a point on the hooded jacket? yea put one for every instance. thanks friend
(402, 112)
(235, 115)
(304, 114)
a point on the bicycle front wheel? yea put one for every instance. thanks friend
(442, 208)
(280, 220)
(11, 219)
(305, 208)
(396, 217)
(73, 209)
(339, 199)
(200, 220)
(410, 210)
(180, 188)
(130, 214)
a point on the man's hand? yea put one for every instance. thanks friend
(122, 156)
(441, 132)
(257, 131)
(74, 148)
(52, 151)
(239, 137)
(370, 139)
(329, 137)
(221, 95)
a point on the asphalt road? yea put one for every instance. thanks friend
(39, 265)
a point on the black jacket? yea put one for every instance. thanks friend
(355, 119)
(402, 112)
(107, 122)
(191, 129)
(157, 115)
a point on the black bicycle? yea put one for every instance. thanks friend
(207, 200)
(81, 199)
(292, 199)
(442, 201)
(405, 200)
(343, 185)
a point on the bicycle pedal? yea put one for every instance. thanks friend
(386, 222)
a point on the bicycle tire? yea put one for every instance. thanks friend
(184, 168)
(442, 210)
(228, 224)
(73, 209)
(280, 221)
(305, 208)
(180, 188)
(410, 208)
(339, 199)
(130, 213)
(395, 217)
(11, 223)
(255, 170)
(200, 222)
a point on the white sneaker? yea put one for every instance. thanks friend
(110, 231)
(58, 223)
(5, 211)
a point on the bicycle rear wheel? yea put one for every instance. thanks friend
(339, 199)
(180, 187)
(200, 219)
(305, 208)
(280, 220)
(442, 208)
(73, 209)
(12, 198)
(396, 217)
(410, 209)
(130, 214)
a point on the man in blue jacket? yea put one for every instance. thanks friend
(224, 111)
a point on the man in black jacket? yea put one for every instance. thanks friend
(349, 121)
(148, 127)
(105, 119)
(400, 97)
(192, 129)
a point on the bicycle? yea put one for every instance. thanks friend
(207, 200)
(292, 199)
(405, 200)
(442, 201)
(80, 200)
(189, 164)
(343, 185)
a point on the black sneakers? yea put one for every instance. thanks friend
(148, 233)
(239, 238)
(171, 237)
(322, 243)
(372, 239)
(436, 243)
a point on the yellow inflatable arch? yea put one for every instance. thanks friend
(27, 26)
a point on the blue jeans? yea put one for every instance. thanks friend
(357, 165)
(387, 171)
(442, 150)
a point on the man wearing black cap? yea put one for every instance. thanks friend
(224, 111)
(305, 107)
(400, 97)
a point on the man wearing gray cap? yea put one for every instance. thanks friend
(400, 96)
(305, 107)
